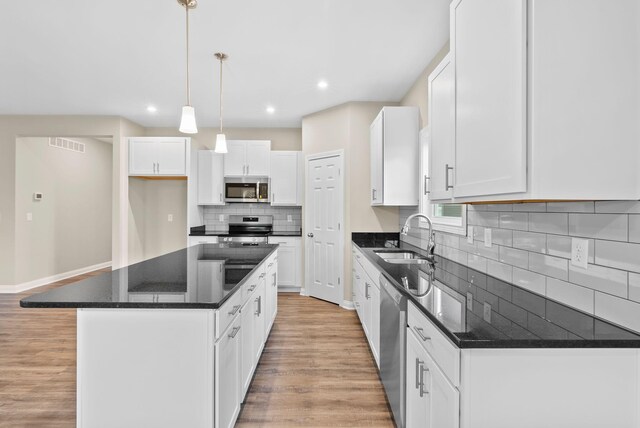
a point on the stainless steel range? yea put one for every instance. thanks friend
(248, 229)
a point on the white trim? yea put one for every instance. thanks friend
(5, 289)
(303, 292)
(348, 305)
(289, 289)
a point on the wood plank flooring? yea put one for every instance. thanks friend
(316, 369)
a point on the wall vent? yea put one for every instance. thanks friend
(67, 144)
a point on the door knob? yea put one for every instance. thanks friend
(310, 235)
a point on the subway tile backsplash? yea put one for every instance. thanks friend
(280, 223)
(531, 248)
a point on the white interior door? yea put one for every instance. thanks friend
(324, 212)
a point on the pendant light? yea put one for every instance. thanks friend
(221, 140)
(188, 120)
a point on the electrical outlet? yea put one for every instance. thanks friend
(221, 218)
(29, 216)
(487, 237)
(470, 235)
(486, 314)
(469, 301)
(289, 218)
(579, 252)
(170, 217)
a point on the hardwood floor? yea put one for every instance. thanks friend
(37, 362)
(316, 369)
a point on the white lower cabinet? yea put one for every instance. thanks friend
(248, 357)
(271, 286)
(227, 375)
(432, 401)
(367, 301)
(289, 261)
(196, 240)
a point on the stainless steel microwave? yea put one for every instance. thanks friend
(246, 190)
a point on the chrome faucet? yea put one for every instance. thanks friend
(432, 244)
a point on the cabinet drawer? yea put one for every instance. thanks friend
(369, 268)
(252, 283)
(228, 312)
(444, 353)
(285, 241)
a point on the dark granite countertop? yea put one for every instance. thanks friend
(183, 279)
(519, 318)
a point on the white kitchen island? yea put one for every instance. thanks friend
(169, 342)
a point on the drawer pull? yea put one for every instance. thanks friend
(234, 332)
(270, 264)
(423, 370)
(418, 371)
(234, 310)
(253, 287)
(262, 275)
(420, 332)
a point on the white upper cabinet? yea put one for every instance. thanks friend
(488, 40)
(247, 158)
(538, 115)
(394, 157)
(163, 156)
(210, 178)
(438, 182)
(285, 178)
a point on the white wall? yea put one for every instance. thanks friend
(71, 226)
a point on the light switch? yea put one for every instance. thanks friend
(487, 237)
(170, 217)
(29, 216)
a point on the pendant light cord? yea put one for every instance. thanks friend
(186, 8)
(221, 59)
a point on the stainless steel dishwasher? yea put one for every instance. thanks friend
(393, 339)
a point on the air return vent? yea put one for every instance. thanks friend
(67, 144)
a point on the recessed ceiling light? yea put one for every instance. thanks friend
(323, 84)
(152, 109)
(271, 109)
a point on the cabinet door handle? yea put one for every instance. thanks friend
(418, 369)
(273, 197)
(274, 280)
(220, 196)
(446, 177)
(366, 291)
(373, 194)
(234, 332)
(259, 302)
(158, 167)
(234, 310)
(420, 332)
(426, 185)
(357, 276)
(423, 370)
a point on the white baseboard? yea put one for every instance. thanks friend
(18, 288)
(348, 305)
(289, 289)
(303, 292)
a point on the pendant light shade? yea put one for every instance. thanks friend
(221, 139)
(188, 121)
(221, 144)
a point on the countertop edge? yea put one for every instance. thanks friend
(144, 305)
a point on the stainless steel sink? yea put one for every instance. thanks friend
(415, 261)
(401, 257)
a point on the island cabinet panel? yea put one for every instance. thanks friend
(122, 371)
(228, 384)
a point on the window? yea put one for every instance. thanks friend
(451, 218)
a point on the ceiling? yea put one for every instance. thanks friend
(116, 57)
